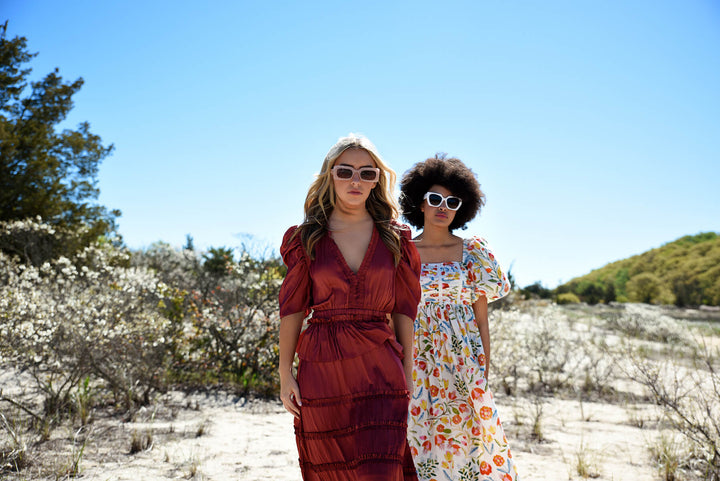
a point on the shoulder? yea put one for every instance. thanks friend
(291, 241)
(477, 247)
(402, 229)
(475, 243)
(290, 235)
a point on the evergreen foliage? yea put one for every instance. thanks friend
(44, 172)
(536, 291)
(685, 272)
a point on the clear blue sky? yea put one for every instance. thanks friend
(593, 127)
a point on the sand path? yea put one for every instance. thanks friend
(218, 437)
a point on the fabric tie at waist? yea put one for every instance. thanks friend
(347, 314)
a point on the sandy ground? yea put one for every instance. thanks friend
(218, 437)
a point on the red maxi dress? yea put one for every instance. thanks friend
(353, 419)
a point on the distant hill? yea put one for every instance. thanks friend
(685, 272)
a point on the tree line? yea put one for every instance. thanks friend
(684, 272)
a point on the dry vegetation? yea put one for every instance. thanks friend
(102, 352)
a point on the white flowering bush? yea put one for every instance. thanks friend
(34, 241)
(647, 322)
(90, 316)
(230, 312)
(238, 323)
(530, 350)
(538, 349)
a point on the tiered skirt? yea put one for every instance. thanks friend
(353, 419)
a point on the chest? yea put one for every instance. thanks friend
(445, 282)
(353, 246)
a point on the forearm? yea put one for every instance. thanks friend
(481, 319)
(404, 333)
(289, 332)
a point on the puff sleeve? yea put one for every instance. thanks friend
(485, 276)
(407, 277)
(296, 288)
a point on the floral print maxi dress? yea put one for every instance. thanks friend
(454, 430)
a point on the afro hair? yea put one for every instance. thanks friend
(450, 173)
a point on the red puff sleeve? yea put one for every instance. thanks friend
(295, 291)
(407, 278)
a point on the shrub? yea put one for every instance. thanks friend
(229, 311)
(87, 316)
(690, 399)
(568, 298)
(648, 288)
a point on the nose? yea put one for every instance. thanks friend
(356, 177)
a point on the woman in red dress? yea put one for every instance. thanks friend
(351, 269)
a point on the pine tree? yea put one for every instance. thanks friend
(45, 172)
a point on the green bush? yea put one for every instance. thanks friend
(567, 298)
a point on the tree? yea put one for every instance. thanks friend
(537, 290)
(44, 172)
(590, 292)
(609, 293)
(647, 288)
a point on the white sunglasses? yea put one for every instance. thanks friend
(435, 200)
(366, 174)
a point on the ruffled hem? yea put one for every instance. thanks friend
(346, 466)
(355, 397)
(344, 432)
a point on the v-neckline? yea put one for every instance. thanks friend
(366, 257)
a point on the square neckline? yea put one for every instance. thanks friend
(446, 263)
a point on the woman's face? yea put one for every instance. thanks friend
(439, 216)
(354, 191)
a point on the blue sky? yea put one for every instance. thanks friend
(593, 127)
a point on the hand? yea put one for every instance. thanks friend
(408, 368)
(290, 395)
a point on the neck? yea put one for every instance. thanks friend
(346, 214)
(432, 235)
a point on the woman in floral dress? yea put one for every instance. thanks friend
(454, 430)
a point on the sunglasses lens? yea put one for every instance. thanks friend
(434, 200)
(343, 173)
(453, 203)
(368, 175)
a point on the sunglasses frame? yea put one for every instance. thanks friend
(444, 199)
(356, 171)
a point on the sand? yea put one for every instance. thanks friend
(220, 437)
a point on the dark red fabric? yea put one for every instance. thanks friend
(353, 421)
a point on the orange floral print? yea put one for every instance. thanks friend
(453, 423)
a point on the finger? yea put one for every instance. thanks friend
(295, 395)
(291, 404)
(290, 407)
(294, 410)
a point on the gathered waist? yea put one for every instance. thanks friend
(347, 314)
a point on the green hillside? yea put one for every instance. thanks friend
(685, 272)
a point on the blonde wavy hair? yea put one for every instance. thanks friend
(381, 204)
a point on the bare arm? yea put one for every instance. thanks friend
(404, 333)
(289, 390)
(480, 307)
